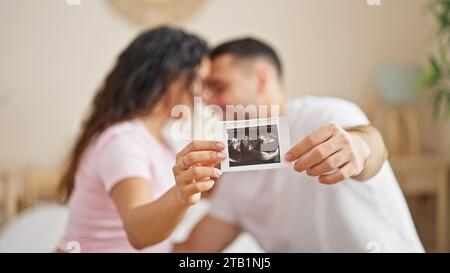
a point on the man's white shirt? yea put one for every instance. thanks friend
(286, 211)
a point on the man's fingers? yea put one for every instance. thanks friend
(198, 172)
(343, 173)
(310, 141)
(316, 155)
(201, 145)
(329, 164)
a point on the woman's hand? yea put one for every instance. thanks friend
(194, 169)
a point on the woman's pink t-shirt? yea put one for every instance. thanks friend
(124, 150)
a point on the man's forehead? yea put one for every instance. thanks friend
(230, 64)
(223, 63)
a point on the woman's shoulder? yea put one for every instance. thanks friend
(132, 131)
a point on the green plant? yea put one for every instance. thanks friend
(437, 76)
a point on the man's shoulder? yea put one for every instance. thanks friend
(318, 103)
(309, 113)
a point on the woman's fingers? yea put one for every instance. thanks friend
(191, 193)
(198, 187)
(190, 168)
(203, 157)
(199, 152)
(201, 145)
(197, 173)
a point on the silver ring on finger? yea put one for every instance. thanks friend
(183, 164)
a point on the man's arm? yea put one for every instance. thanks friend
(334, 154)
(209, 235)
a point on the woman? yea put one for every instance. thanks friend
(119, 183)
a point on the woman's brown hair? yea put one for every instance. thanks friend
(140, 78)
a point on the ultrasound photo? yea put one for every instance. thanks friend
(253, 145)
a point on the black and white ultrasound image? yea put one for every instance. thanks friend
(253, 145)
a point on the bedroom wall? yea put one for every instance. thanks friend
(53, 56)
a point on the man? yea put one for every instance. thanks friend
(340, 194)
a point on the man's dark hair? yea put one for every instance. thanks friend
(249, 48)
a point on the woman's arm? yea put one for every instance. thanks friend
(148, 221)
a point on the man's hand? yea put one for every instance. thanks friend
(333, 154)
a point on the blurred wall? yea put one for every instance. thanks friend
(54, 56)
